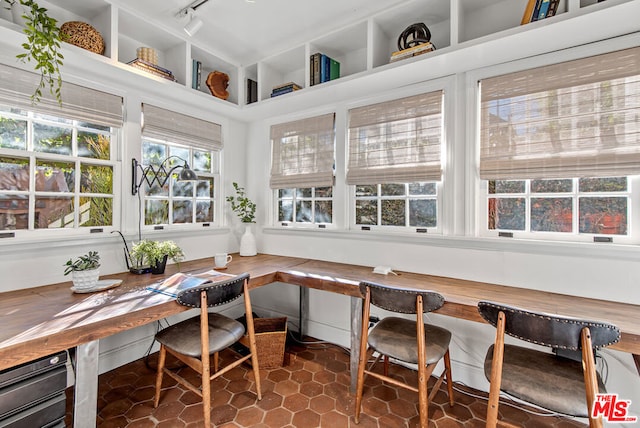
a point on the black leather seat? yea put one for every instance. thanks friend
(411, 341)
(192, 341)
(557, 383)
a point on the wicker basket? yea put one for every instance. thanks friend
(83, 35)
(271, 336)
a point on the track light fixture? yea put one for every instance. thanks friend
(194, 23)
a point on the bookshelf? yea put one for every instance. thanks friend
(363, 48)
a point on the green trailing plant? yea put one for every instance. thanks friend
(89, 261)
(42, 47)
(149, 253)
(241, 205)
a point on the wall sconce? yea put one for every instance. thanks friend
(194, 23)
(160, 174)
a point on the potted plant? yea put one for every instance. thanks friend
(245, 209)
(85, 270)
(155, 254)
(42, 46)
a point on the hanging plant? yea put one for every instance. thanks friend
(42, 47)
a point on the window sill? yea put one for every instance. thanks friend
(578, 249)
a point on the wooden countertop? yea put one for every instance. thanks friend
(43, 320)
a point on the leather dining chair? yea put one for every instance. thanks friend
(566, 383)
(407, 340)
(193, 340)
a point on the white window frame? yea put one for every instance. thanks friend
(33, 233)
(217, 201)
(446, 188)
(313, 199)
(476, 212)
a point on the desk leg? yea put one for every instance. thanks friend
(356, 328)
(86, 385)
(303, 310)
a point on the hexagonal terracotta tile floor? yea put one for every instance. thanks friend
(311, 390)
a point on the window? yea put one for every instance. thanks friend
(57, 163)
(397, 204)
(179, 202)
(395, 163)
(591, 206)
(177, 138)
(302, 170)
(560, 148)
(313, 205)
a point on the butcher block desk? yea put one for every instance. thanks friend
(43, 320)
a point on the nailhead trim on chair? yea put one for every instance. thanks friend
(435, 295)
(551, 318)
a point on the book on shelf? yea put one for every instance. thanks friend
(152, 68)
(180, 281)
(411, 52)
(285, 89)
(252, 91)
(539, 9)
(322, 68)
(196, 74)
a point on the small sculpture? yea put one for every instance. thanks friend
(217, 81)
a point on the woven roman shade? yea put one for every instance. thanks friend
(180, 128)
(573, 119)
(397, 141)
(303, 153)
(78, 102)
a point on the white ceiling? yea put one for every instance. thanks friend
(244, 32)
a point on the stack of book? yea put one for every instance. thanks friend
(539, 9)
(196, 74)
(322, 68)
(412, 51)
(284, 89)
(152, 68)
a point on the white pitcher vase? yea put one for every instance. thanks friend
(248, 241)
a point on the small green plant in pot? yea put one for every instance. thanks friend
(85, 270)
(155, 254)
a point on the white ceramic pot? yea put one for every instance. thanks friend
(248, 241)
(85, 279)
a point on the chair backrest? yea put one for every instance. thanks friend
(401, 300)
(218, 293)
(548, 330)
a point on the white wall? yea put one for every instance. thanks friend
(610, 272)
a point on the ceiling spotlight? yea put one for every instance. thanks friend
(193, 25)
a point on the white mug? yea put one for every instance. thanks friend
(221, 259)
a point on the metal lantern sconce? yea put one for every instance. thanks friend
(160, 174)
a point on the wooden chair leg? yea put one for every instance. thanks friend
(590, 377)
(423, 377)
(496, 373)
(449, 379)
(364, 336)
(161, 360)
(205, 368)
(255, 365)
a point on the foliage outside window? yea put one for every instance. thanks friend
(306, 206)
(180, 202)
(590, 206)
(403, 205)
(54, 173)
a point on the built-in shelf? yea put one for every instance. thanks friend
(362, 47)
